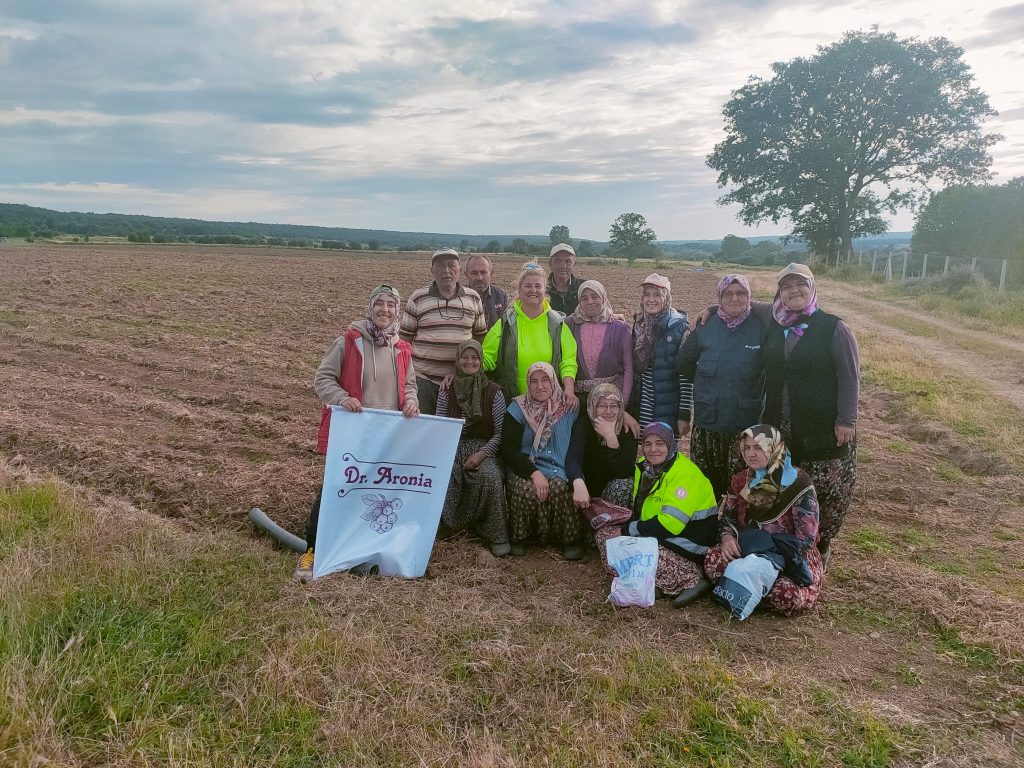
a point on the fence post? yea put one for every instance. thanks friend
(1002, 277)
(888, 267)
(945, 267)
(974, 264)
(874, 257)
(860, 258)
(924, 266)
(905, 256)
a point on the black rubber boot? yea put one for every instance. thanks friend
(688, 596)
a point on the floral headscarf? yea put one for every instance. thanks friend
(646, 330)
(604, 315)
(383, 337)
(469, 388)
(725, 282)
(603, 392)
(771, 490)
(542, 416)
(787, 318)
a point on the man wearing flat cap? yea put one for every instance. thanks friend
(437, 319)
(563, 285)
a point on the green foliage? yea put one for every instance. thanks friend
(964, 222)
(631, 237)
(559, 234)
(585, 248)
(733, 246)
(493, 246)
(833, 141)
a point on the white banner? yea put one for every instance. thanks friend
(384, 486)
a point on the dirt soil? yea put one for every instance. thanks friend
(179, 378)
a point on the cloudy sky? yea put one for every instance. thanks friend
(471, 116)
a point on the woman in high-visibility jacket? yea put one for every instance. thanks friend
(674, 503)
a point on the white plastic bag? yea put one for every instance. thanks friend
(635, 560)
(745, 582)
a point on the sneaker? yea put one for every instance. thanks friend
(572, 552)
(304, 568)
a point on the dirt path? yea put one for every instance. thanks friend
(997, 363)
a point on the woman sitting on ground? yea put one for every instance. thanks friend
(367, 367)
(531, 332)
(674, 503)
(602, 455)
(771, 497)
(534, 443)
(476, 492)
(603, 343)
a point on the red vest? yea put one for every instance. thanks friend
(351, 379)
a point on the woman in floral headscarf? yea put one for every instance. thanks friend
(604, 350)
(723, 360)
(659, 392)
(602, 455)
(476, 491)
(771, 510)
(535, 441)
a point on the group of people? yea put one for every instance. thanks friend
(558, 392)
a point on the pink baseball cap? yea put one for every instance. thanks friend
(659, 280)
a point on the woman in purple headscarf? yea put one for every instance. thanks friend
(723, 360)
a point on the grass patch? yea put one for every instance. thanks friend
(949, 643)
(868, 541)
(957, 402)
(14, 319)
(952, 473)
(863, 619)
(898, 446)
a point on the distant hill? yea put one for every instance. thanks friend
(28, 221)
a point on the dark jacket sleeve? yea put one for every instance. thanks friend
(511, 440)
(622, 461)
(577, 449)
(688, 355)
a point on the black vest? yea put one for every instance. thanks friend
(810, 378)
(728, 388)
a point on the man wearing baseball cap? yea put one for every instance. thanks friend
(563, 285)
(437, 319)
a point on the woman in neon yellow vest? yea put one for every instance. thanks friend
(674, 503)
(531, 332)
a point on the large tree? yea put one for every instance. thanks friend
(631, 237)
(833, 141)
(559, 234)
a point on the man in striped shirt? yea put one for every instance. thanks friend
(437, 319)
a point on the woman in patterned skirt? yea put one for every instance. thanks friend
(772, 497)
(673, 502)
(535, 443)
(476, 493)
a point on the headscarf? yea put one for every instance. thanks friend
(600, 392)
(542, 417)
(663, 431)
(604, 315)
(647, 329)
(383, 337)
(787, 318)
(770, 491)
(725, 282)
(469, 388)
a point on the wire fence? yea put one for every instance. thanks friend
(904, 265)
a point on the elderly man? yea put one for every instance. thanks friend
(478, 274)
(437, 319)
(563, 285)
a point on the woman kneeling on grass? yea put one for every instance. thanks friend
(674, 503)
(770, 515)
(368, 366)
(476, 493)
(534, 443)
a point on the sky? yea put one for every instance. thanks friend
(473, 117)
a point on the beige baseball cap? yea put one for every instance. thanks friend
(659, 280)
(795, 269)
(562, 248)
(445, 253)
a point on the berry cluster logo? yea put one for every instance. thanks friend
(381, 512)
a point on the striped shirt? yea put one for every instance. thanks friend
(493, 446)
(646, 411)
(435, 326)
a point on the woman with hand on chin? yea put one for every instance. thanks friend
(535, 443)
(531, 332)
(476, 491)
(368, 366)
(602, 455)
